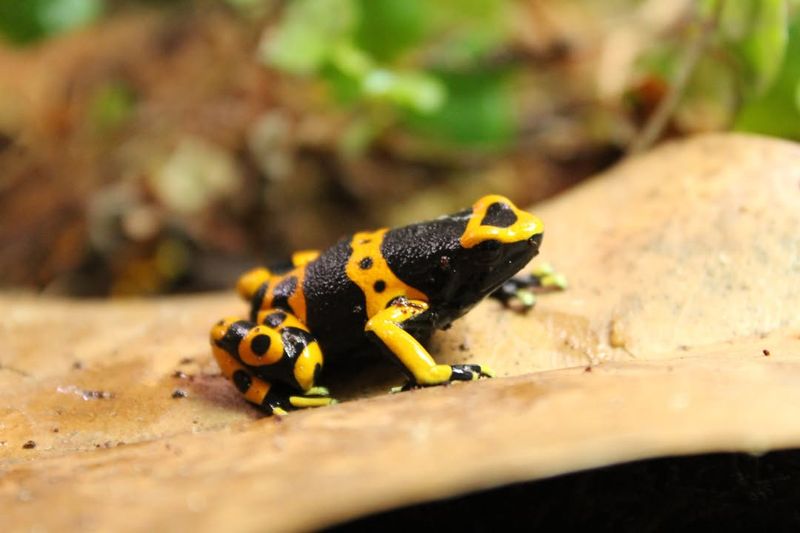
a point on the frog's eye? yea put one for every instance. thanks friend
(499, 215)
(488, 251)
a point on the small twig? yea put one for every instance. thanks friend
(659, 119)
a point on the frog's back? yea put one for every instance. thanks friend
(336, 310)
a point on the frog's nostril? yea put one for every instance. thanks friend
(535, 240)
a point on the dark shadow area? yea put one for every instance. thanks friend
(715, 492)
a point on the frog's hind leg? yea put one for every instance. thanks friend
(388, 329)
(273, 368)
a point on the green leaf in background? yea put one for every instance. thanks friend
(467, 30)
(417, 91)
(26, 21)
(661, 60)
(351, 60)
(451, 32)
(478, 112)
(765, 47)
(777, 111)
(62, 15)
(755, 31)
(19, 21)
(344, 89)
(710, 98)
(797, 96)
(388, 28)
(308, 33)
(353, 75)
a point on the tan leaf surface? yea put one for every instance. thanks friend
(680, 333)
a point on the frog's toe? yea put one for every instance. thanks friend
(470, 372)
(457, 373)
(302, 402)
(487, 372)
(317, 391)
(547, 277)
(526, 298)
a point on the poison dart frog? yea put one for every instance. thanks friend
(389, 287)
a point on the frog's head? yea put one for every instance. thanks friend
(459, 259)
(498, 241)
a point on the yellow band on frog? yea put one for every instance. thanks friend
(368, 269)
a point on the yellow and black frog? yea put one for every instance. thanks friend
(390, 287)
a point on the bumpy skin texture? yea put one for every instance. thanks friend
(389, 287)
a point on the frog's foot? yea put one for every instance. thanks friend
(388, 329)
(470, 372)
(523, 288)
(456, 373)
(282, 401)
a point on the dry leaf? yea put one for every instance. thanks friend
(680, 333)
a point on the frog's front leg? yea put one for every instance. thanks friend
(388, 329)
(523, 288)
(273, 362)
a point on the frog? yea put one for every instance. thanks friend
(388, 289)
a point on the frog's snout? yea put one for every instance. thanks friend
(535, 241)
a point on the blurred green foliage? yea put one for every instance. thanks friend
(776, 109)
(749, 75)
(426, 65)
(414, 63)
(111, 105)
(429, 68)
(763, 38)
(754, 32)
(25, 21)
(479, 110)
